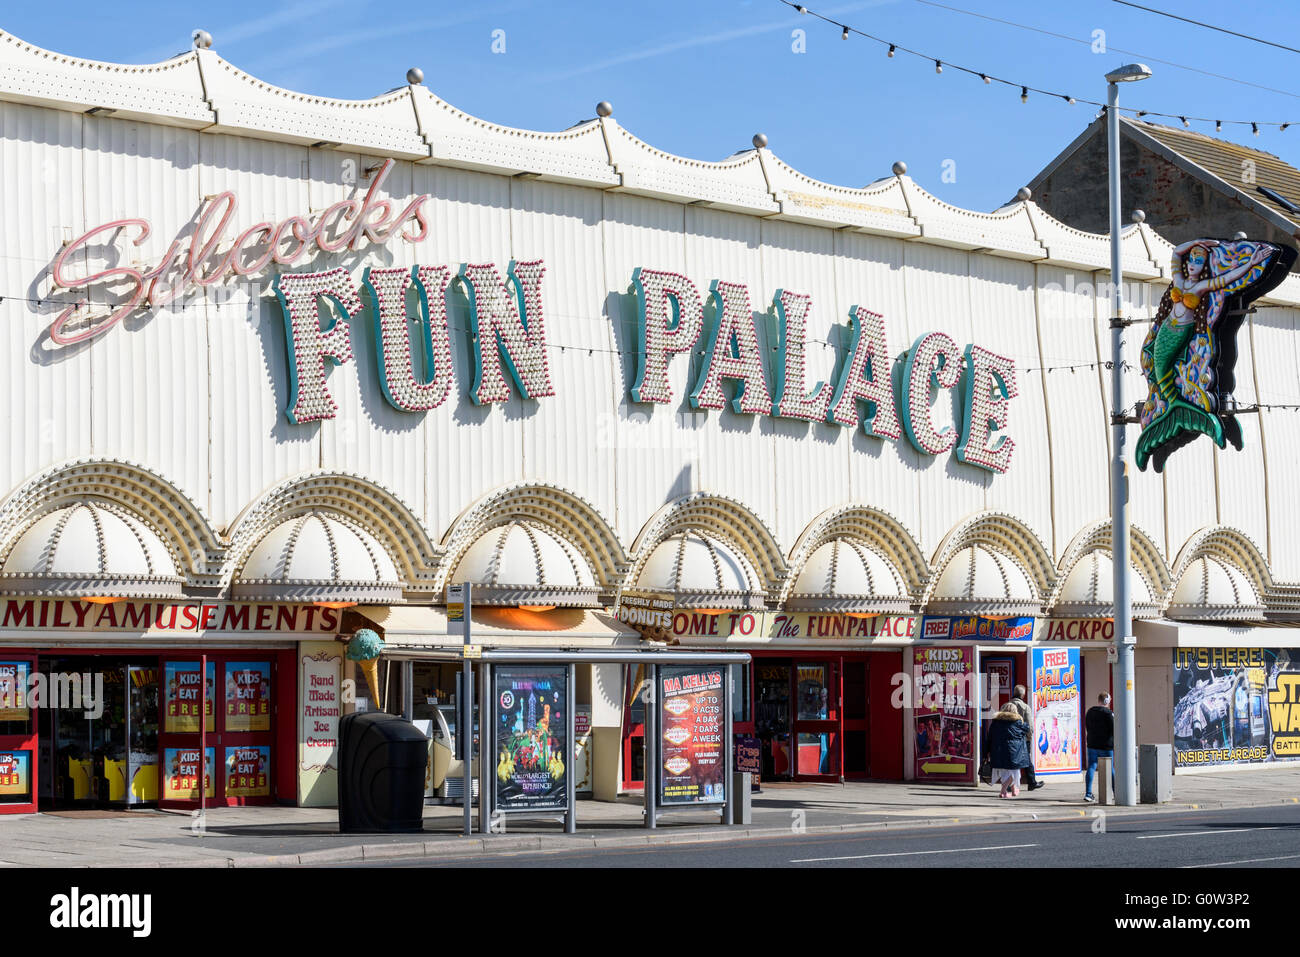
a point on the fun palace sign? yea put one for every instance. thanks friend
(507, 325)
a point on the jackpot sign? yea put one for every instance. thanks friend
(507, 325)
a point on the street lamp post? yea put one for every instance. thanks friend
(1126, 722)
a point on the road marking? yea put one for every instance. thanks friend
(1235, 830)
(1253, 860)
(951, 850)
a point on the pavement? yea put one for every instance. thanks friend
(292, 836)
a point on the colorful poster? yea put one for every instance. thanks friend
(1057, 745)
(15, 776)
(183, 694)
(13, 690)
(1236, 705)
(691, 719)
(181, 773)
(975, 628)
(943, 714)
(248, 771)
(248, 696)
(531, 750)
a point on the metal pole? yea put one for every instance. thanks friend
(408, 691)
(488, 749)
(570, 792)
(1126, 724)
(650, 751)
(467, 722)
(203, 739)
(728, 743)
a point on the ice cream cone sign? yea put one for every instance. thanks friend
(364, 648)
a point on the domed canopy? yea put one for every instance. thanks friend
(846, 575)
(1089, 590)
(91, 548)
(1213, 590)
(319, 557)
(700, 571)
(980, 581)
(524, 563)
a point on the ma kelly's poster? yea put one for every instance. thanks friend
(530, 741)
(248, 696)
(183, 694)
(1058, 743)
(943, 714)
(691, 720)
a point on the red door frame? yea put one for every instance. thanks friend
(832, 726)
(30, 743)
(632, 732)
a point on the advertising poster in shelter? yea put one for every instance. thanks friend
(184, 694)
(691, 722)
(1236, 705)
(531, 746)
(944, 714)
(1058, 741)
(248, 771)
(181, 773)
(248, 696)
(13, 690)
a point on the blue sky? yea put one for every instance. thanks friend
(700, 78)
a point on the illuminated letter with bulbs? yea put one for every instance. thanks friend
(402, 388)
(734, 325)
(507, 328)
(865, 377)
(792, 398)
(933, 364)
(309, 344)
(990, 384)
(669, 318)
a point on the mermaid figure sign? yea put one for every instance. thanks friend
(1189, 354)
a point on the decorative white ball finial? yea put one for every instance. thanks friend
(899, 168)
(1239, 236)
(604, 108)
(1024, 194)
(415, 76)
(202, 39)
(759, 140)
(1139, 216)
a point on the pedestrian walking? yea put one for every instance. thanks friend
(1099, 736)
(1008, 743)
(1022, 708)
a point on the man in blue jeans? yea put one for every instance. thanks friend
(1099, 735)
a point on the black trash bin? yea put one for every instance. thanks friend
(382, 762)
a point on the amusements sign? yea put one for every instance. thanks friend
(248, 696)
(13, 690)
(248, 771)
(1236, 705)
(184, 693)
(944, 713)
(530, 741)
(181, 773)
(691, 717)
(1058, 746)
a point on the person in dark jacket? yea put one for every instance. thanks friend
(1008, 743)
(1099, 735)
(1022, 708)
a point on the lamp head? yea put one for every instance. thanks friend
(1129, 73)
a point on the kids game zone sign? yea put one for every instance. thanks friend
(507, 326)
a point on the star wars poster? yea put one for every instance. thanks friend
(1057, 743)
(1236, 705)
(691, 719)
(531, 746)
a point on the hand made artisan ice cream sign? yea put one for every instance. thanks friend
(508, 329)
(1190, 353)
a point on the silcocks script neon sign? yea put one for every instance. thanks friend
(508, 332)
(261, 244)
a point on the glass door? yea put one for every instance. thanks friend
(816, 720)
(18, 736)
(772, 718)
(634, 727)
(857, 739)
